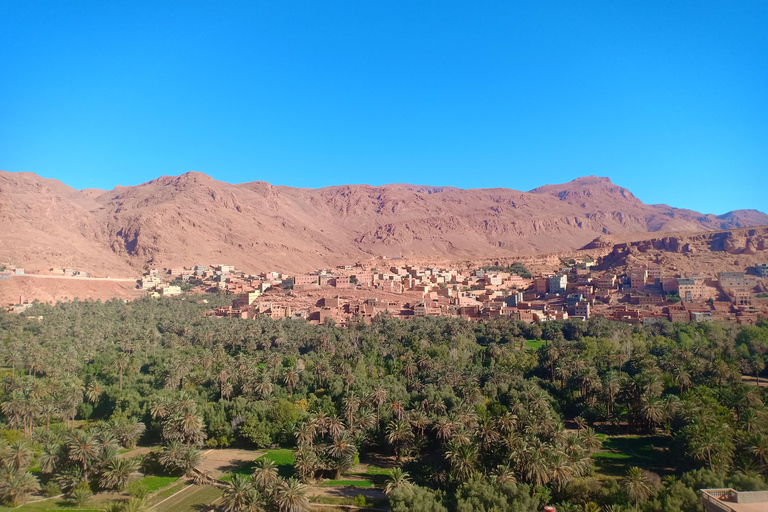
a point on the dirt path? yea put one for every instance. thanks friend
(346, 492)
(748, 379)
(142, 450)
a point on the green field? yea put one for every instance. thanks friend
(154, 483)
(283, 458)
(619, 453)
(534, 344)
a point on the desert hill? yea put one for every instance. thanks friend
(192, 218)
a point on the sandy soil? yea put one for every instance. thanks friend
(221, 461)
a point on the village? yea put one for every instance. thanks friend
(642, 295)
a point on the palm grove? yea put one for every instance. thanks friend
(475, 420)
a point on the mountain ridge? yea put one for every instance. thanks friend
(193, 218)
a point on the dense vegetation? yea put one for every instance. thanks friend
(515, 268)
(477, 421)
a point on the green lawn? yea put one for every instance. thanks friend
(534, 344)
(154, 483)
(619, 453)
(374, 470)
(282, 457)
(169, 492)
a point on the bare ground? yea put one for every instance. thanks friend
(221, 461)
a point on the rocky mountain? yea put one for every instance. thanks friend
(192, 218)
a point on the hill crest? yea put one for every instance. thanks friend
(193, 218)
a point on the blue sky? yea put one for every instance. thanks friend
(668, 98)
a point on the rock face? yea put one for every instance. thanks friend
(734, 241)
(192, 218)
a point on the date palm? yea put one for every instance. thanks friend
(292, 496)
(637, 485)
(17, 455)
(379, 397)
(17, 485)
(121, 363)
(398, 479)
(265, 474)
(335, 427)
(463, 460)
(291, 380)
(93, 392)
(399, 435)
(117, 473)
(83, 446)
(342, 450)
(239, 495)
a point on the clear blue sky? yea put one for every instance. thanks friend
(668, 98)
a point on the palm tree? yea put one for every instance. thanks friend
(400, 435)
(83, 446)
(190, 459)
(93, 392)
(444, 428)
(171, 454)
(16, 486)
(17, 455)
(561, 469)
(121, 362)
(117, 473)
(398, 479)
(238, 494)
(463, 459)
(292, 496)
(379, 397)
(306, 463)
(342, 450)
(419, 420)
(504, 475)
(265, 474)
(397, 409)
(291, 380)
(351, 406)
(335, 427)
(637, 485)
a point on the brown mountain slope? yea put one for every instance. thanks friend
(193, 218)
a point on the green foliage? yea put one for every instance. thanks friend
(479, 419)
(516, 268)
(139, 488)
(50, 489)
(80, 494)
(153, 483)
(417, 499)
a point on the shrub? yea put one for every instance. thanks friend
(80, 494)
(138, 489)
(51, 489)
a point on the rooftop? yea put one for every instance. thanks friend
(729, 500)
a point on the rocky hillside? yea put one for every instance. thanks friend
(192, 218)
(703, 252)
